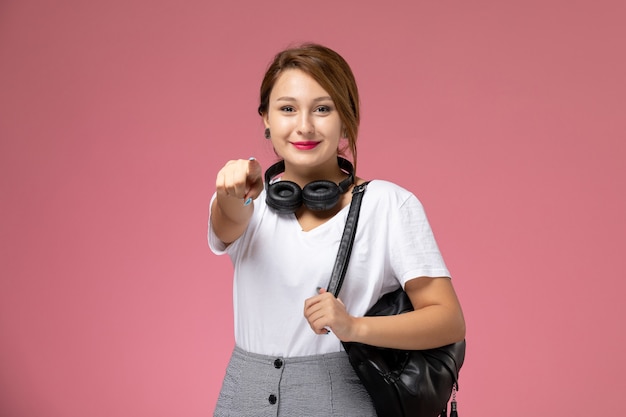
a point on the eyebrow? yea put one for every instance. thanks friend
(318, 99)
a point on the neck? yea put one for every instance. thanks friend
(304, 175)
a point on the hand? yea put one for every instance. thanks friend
(241, 179)
(324, 311)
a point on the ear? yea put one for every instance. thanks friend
(266, 120)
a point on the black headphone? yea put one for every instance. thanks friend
(287, 196)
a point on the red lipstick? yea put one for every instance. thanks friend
(305, 145)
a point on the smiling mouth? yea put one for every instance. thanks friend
(306, 145)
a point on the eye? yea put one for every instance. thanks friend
(323, 109)
(287, 109)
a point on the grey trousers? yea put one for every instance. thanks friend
(311, 386)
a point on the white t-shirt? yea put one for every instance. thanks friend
(278, 266)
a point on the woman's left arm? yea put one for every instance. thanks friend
(437, 319)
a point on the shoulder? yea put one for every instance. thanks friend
(384, 186)
(383, 191)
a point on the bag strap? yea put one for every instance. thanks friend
(347, 240)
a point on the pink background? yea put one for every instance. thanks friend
(507, 120)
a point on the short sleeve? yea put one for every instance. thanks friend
(413, 249)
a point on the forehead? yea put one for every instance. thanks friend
(296, 83)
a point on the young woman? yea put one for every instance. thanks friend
(282, 230)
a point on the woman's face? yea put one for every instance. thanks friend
(304, 123)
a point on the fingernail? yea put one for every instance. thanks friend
(252, 158)
(248, 201)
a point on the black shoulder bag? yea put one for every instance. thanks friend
(401, 383)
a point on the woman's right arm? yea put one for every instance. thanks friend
(238, 182)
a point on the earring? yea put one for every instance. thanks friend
(267, 133)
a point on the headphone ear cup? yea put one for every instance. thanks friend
(284, 196)
(320, 195)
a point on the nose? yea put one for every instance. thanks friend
(305, 125)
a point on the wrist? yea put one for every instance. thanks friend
(359, 330)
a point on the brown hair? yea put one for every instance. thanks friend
(331, 71)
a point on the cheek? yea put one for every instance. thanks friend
(331, 126)
(280, 124)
